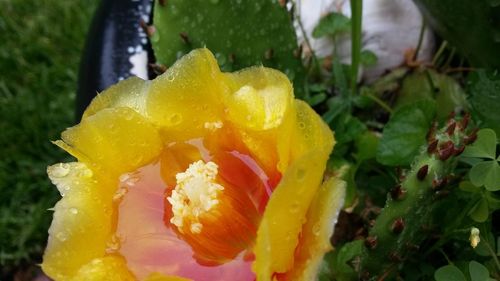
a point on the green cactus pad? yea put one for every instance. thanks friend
(408, 214)
(240, 33)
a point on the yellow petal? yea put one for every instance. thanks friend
(261, 106)
(161, 277)
(131, 93)
(260, 98)
(316, 232)
(117, 140)
(278, 233)
(187, 96)
(81, 223)
(109, 268)
(310, 132)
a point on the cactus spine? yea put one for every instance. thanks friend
(400, 227)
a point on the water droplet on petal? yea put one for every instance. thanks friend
(316, 229)
(170, 76)
(73, 211)
(175, 119)
(86, 173)
(61, 170)
(294, 208)
(61, 236)
(120, 193)
(113, 244)
(300, 174)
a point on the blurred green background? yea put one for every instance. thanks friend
(40, 46)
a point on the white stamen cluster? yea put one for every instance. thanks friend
(196, 192)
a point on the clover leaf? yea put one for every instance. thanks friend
(332, 24)
(480, 211)
(485, 172)
(484, 146)
(449, 272)
(478, 272)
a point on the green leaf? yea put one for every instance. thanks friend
(347, 128)
(484, 147)
(449, 273)
(367, 146)
(405, 133)
(340, 77)
(470, 25)
(316, 99)
(336, 106)
(429, 84)
(467, 186)
(484, 88)
(317, 88)
(486, 173)
(480, 211)
(332, 24)
(363, 100)
(346, 254)
(478, 272)
(368, 58)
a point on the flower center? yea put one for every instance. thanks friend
(217, 218)
(195, 194)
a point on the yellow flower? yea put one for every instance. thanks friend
(196, 175)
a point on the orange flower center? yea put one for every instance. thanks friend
(193, 213)
(217, 219)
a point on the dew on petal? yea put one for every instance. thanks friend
(294, 208)
(316, 230)
(62, 236)
(60, 170)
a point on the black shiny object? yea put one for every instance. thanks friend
(114, 31)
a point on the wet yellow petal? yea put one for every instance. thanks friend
(109, 268)
(285, 213)
(260, 98)
(161, 277)
(310, 132)
(187, 97)
(81, 223)
(316, 232)
(261, 107)
(131, 93)
(117, 140)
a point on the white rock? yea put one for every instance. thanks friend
(390, 27)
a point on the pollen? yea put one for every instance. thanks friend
(196, 193)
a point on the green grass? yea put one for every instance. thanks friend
(40, 46)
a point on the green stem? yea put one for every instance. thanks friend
(356, 21)
(492, 253)
(450, 57)
(420, 40)
(306, 39)
(446, 257)
(439, 52)
(380, 102)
